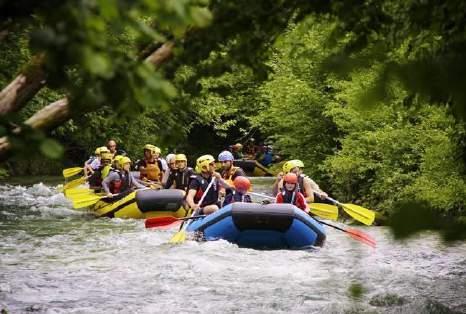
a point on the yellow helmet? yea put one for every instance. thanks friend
(156, 150)
(202, 163)
(117, 158)
(181, 157)
(102, 149)
(149, 147)
(291, 164)
(106, 156)
(124, 160)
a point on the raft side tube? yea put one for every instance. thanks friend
(159, 200)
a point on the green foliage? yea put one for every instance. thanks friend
(370, 150)
(91, 51)
(291, 109)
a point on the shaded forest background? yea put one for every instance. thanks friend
(369, 94)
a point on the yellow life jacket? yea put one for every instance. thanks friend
(152, 172)
(105, 171)
(229, 174)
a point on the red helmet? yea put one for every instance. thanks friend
(242, 183)
(291, 178)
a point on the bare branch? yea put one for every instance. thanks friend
(23, 88)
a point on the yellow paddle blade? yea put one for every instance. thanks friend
(361, 214)
(71, 171)
(325, 211)
(77, 191)
(179, 237)
(82, 201)
(74, 183)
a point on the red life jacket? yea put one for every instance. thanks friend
(292, 197)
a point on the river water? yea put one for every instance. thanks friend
(57, 260)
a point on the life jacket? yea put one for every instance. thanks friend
(228, 174)
(182, 178)
(95, 180)
(105, 171)
(237, 197)
(289, 196)
(203, 183)
(121, 185)
(152, 170)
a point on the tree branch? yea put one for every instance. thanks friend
(23, 88)
(58, 112)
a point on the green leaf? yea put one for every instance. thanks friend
(201, 16)
(97, 63)
(109, 9)
(51, 149)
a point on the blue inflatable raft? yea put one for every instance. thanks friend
(272, 226)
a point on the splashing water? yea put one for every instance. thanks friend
(57, 260)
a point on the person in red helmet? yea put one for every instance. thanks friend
(242, 185)
(290, 193)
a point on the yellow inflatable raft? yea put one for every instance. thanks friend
(143, 204)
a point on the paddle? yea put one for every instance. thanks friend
(361, 214)
(354, 233)
(72, 171)
(74, 183)
(180, 236)
(77, 191)
(86, 200)
(325, 211)
(156, 222)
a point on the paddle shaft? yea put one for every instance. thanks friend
(356, 234)
(200, 202)
(262, 195)
(188, 218)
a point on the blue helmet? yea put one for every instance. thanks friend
(225, 156)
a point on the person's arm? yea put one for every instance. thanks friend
(135, 182)
(315, 187)
(192, 190)
(190, 199)
(106, 183)
(308, 190)
(222, 182)
(227, 199)
(302, 202)
(279, 198)
(276, 185)
(165, 177)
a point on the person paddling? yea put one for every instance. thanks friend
(94, 162)
(242, 185)
(205, 166)
(95, 180)
(119, 182)
(308, 187)
(290, 193)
